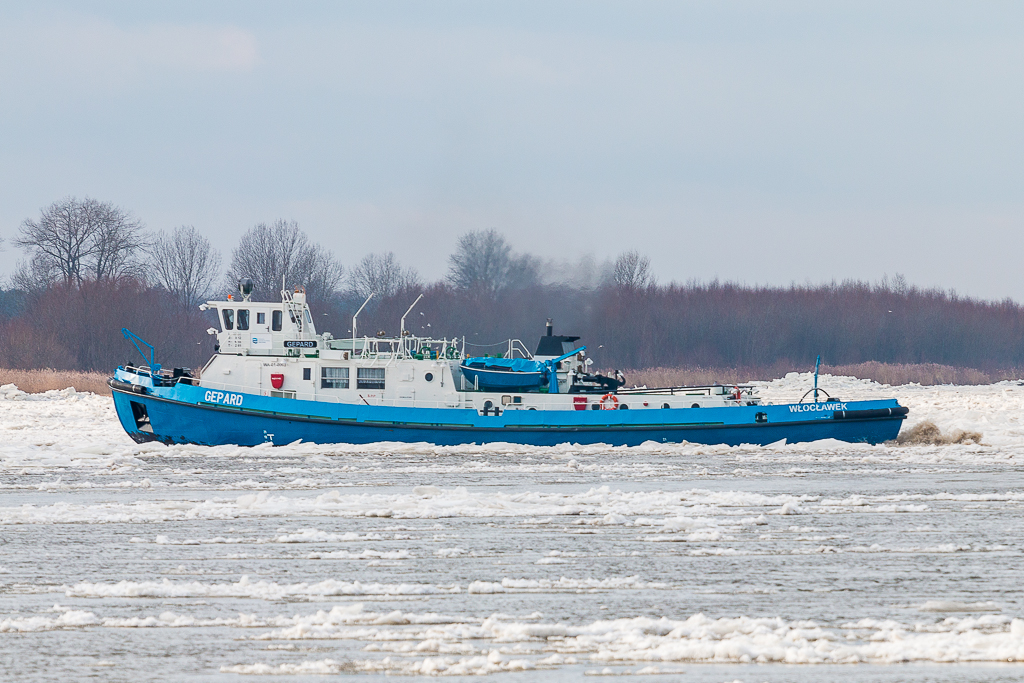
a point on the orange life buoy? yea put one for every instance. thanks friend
(609, 406)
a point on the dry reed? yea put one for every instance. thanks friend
(36, 381)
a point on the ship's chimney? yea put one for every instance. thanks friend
(550, 328)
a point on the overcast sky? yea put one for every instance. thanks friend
(764, 142)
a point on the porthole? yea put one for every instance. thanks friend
(695, 405)
(624, 407)
(429, 377)
(665, 405)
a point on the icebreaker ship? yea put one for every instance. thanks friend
(274, 379)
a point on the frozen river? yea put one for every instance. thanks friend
(808, 562)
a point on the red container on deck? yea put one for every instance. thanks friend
(277, 380)
(579, 402)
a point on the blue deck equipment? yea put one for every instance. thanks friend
(136, 340)
(513, 374)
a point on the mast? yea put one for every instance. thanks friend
(354, 318)
(401, 335)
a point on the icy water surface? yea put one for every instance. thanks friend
(809, 562)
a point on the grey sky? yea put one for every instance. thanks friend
(760, 142)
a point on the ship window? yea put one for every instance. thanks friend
(309, 318)
(369, 378)
(429, 377)
(229, 318)
(624, 406)
(261, 318)
(334, 378)
(277, 321)
(307, 373)
(505, 400)
(283, 394)
(243, 318)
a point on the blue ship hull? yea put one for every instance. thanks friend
(188, 414)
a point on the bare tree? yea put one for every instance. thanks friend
(319, 272)
(185, 265)
(74, 240)
(120, 245)
(381, 274)
(632, 271)
(483, 261)
(34, 275)
(60, 240)
(280, 251)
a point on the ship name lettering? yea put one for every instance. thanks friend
(816, 407)
(227, 399)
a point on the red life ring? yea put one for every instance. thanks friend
(614, 402)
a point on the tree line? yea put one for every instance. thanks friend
(91, 268)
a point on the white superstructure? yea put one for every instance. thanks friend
(273, 349)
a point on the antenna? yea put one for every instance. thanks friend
(354, 322)
(402, 335)
(817, 364)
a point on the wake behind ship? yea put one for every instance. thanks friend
(274, 379)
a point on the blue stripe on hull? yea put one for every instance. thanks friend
(179, 421)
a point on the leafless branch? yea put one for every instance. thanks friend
(483, 261)
(281, 251)
(75, 240)
(186, 265)
(632, 271)
(381, 274)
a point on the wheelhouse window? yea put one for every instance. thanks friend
(229, 318)
(369, 378)
(277, 321)
(261, 318)
(334, 378)
(243, 318)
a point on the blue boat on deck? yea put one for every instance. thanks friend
(512, 374)
(504, 374)
(275, 380)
